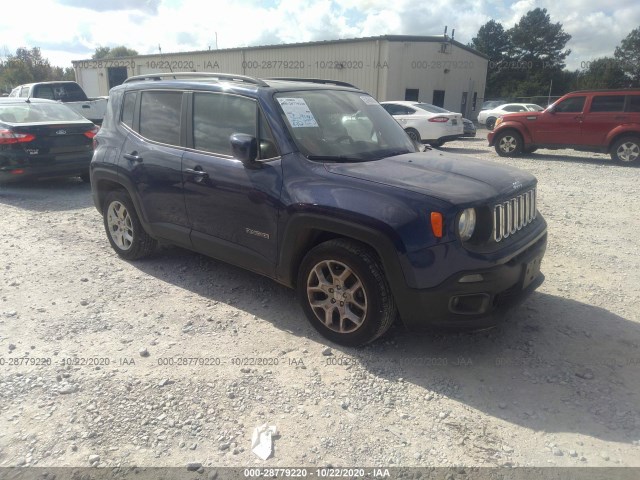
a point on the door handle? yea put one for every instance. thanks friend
(133, 156)
(198, 173)
(86, 106)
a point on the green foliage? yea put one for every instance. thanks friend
(26, 66)
(534, 38)
(529, 58)
(604, 72)
(115, 52)
(628, 56)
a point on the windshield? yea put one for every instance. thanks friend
(37, 112)
(342, 126)
(431, 108)
(535, 108)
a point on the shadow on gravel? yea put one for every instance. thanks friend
(53, 195)
(580, 157)
(557, 365)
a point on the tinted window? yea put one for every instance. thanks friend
(634, 103)
(395, 109)
(218, 116)
(24, 92)
(432, 108)
(128, 106)
(607, 103)
(160, 116)
(570, 105)
(514, 108)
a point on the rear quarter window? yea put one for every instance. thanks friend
(160, 114)
(128, 108)
(633, 105)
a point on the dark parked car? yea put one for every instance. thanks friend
(313, 184)
(469, 128)
(606, 121)
(43, 138)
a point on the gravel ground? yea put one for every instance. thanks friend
(557, 385)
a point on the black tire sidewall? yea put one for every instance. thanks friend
(412, 131)
(617, 144)
(373, 317)
(123, 198)
(519, 146)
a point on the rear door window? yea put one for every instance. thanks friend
(160, 114)
(607, 103)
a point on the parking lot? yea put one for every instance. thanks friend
(177, 359)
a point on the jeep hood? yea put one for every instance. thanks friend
(448, 177)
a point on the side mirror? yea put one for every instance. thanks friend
(244, 147)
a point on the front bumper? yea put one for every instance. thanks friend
(490, 137)
(476, 304)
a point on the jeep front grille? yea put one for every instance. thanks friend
(513, 215)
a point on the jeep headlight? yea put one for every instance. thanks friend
(467, 224)
(498, 122)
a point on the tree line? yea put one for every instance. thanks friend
(28, 65)
(529, 60)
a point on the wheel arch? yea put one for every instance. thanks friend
(617, 135)
(305, 231)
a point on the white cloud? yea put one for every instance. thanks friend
(71, 30)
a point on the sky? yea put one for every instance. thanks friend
(67, 30)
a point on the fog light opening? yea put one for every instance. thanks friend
(476, 277)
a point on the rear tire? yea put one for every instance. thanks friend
(123, 227)
(344, 293)
(437, 143)
(626, 151)
(85, 177)
(529, 150)
(508, 144)
(414, 135)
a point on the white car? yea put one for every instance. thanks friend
(489, 117)
(426, 123)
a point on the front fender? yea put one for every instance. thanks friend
(304, 227)
(511, 125)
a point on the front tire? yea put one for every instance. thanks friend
(626, 151)
(436, 143)
(123, 227)
(508, 144)
(491, 122)
(344, 293)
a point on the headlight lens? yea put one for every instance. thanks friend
(498, 122)
(467, 224)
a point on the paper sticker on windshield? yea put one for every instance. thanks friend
(297, 112)
(368, 100)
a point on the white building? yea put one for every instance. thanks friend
(432, 69)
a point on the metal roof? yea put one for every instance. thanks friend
(389, 38)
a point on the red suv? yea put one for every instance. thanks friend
(605, 121)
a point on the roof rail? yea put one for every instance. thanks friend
(314, 80)
(197, 76)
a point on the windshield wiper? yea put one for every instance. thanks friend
(335, 158)
(393, 153)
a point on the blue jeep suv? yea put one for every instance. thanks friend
(313, 184)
